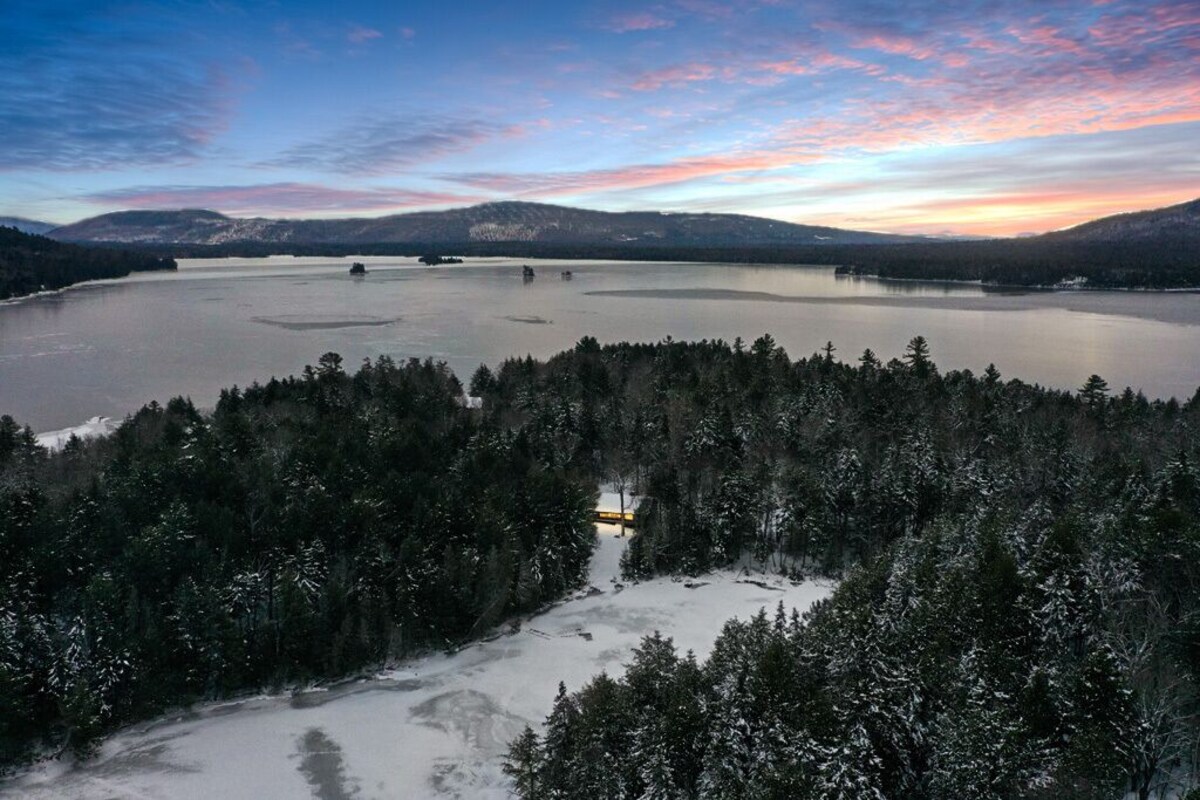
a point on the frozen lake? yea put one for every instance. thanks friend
(109, 347)
(435, 727)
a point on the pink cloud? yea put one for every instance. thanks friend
(982, 81)
(1047, 39)
(1034, 79)
(626, 177)
(896, 45)
(408, 33)
(820, 61)
(789, 67)
(1145, 26)
(676, 75)
(992, 110)
(1037, 208)
(999, 77)
(934, 45)
(639, 22)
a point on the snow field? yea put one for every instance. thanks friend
(96, 426)
(433, 727)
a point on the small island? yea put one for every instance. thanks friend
(358, 268)
(433, 261)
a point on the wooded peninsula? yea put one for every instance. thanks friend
(1017, 612)
(30, 263)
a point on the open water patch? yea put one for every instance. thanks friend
(323, 322)
(323, 766)
(531, 320)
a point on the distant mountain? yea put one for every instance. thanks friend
(170, 227)
(27, 225)
(490, 222)
(1155, 249)
(1173, 223)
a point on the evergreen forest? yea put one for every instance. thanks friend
(304, 529)
(1017, 613)
(30, 263)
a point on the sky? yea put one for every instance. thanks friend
(932, 116)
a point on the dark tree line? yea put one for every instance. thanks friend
(1165, 263)
(1020, 615)
(306, 528)
(30, 263)
(431, 260)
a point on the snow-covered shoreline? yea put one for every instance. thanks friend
(437, 726)
(94, 427)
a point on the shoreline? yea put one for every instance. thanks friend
(1035, 287)
(43, 293)
(198, 264)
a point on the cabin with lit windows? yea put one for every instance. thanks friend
(614, 517)
(609, 510)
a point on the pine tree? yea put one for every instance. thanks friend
(483, 382)
(652, 753)
(916, 356)
(1094, 391)
(849, 770)
(560, 744)
(523, 765)
(982, 750)
(729, 756)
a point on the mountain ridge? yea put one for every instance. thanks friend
(564, 230)
(502, 221)
(1179, 221)
(25, 225)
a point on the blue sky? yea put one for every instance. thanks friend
(973, 116)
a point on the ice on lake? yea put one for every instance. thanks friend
(110, 347)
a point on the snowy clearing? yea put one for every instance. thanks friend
(434, 727)
(96, 426)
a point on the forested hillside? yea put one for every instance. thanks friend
(304, 529)
(1162, 263)
(1155, 249)
(1021, 613)
(506, 221)
(30, 263)
(1179, 222)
